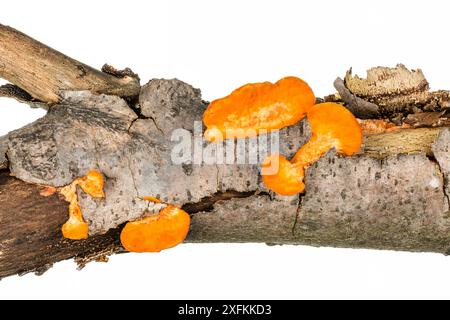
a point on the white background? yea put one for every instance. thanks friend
(218, 46)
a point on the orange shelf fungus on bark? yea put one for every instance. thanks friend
(75, 227)
(48, 191)
(377, 126)
(152, 199)
(161, 231)
(287, 178)
(258, 106)
(92, 183)
(332, 126)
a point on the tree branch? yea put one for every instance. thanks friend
(43, 72)
(394, 194)
(407, 215)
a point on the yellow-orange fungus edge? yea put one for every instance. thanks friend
(75, 227)
(288, 179)
(92, 183)
(339, 124)
(258, 106)
(332, 125)
(152, 199)
(378, 126)
(162, 231)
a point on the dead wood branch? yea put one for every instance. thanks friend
(394, 194)
(43, 72)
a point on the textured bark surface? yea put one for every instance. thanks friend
(395, 202)
(393, 195)
(30, 236)
(43, 72)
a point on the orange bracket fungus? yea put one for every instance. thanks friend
(332, 126)
(157, 232)
(92, 183)
(258, 106)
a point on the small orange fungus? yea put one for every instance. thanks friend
(152, 199)
(332, 126)
(377, 126)
(92, 183)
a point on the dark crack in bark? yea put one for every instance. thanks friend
(441, 157)
(207, 204)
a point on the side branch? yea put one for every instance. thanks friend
(43, 72)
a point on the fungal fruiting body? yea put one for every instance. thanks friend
(332, 126)
(75, 227)
(152, 199)
(258, 106)
(92, 183)
(377, 126)
(157, 232)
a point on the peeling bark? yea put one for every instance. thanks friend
(390, 93)
(30, 237)
(428, 119)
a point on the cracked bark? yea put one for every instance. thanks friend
(392, 195)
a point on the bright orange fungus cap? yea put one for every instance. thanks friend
(258, 106)
(92, 184)
(288, 179)
(157, 232)
(332, 125)
(75, 227)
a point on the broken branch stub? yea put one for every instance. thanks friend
(43, 72)
(390, 93)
